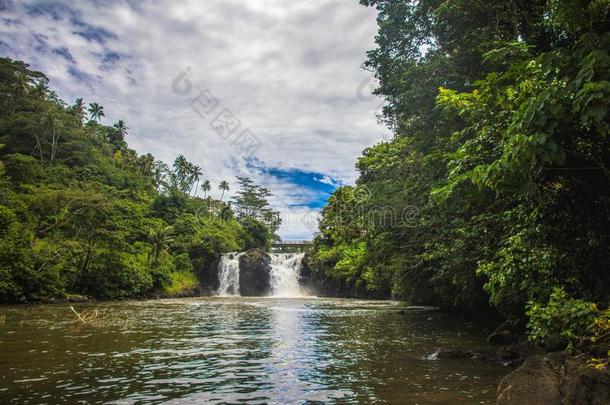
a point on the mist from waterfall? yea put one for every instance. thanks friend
(228, 274)
(285, 274)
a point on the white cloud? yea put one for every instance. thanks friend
(289, 70)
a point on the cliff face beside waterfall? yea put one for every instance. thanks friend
(256, 273)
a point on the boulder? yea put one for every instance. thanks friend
(555, 378)
(255, 273)
(533, 383)
(584, 384)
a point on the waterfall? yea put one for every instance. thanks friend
(283, 277)
(285, 274)
(228, 274)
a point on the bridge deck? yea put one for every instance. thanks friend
(300, 244)
(292, 243)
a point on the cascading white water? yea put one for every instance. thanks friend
(285, 274)
(228, 274)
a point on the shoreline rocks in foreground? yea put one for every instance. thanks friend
(555, 378)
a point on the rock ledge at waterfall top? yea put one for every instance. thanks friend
(255, 273)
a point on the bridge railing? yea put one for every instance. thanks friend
(292, 242)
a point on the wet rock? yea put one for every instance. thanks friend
(500, 337)
(514, 363)
(208, 277)
(77, 298)
(254, 273)
(508, 353)
(445, 354)
(507, 333)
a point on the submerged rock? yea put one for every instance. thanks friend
(255, 273)
(508, 353)
(501, 337)
(446, 354)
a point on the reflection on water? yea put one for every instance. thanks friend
(228, 350)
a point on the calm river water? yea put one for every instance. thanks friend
(234, 350)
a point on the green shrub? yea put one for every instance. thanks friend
(115, 275)
(567, 323)
(181, 282)
(182, 263)
(23, 168)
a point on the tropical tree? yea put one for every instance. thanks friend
(23, 82)
(78, 109)
(223, 186)
(121, 128)
(206, 186)
(251, 201)
(146, 164)
(40, 89)
(195, 174)
(181, 174)
(51, 126)
(159, 237)
(96, 111)
(161, 175)
(117, 135)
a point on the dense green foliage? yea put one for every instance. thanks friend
(80, 212)
(495, 189)
(566, 322)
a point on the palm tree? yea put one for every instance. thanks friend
(78, 109)
(96, 111)
(180, 172)
(159, 237)
(224, 186)
(147, 163)
(195, 175)
(121, 128)
(23, 83)
(40, 89)
(117, 135)
(206, 186)
(52, 126)
(130, 158)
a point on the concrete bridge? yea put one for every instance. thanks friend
(301, 245)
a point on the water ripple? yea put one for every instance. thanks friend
(220, 350)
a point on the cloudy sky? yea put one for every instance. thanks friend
(270, 89)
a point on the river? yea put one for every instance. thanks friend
(260, 350)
